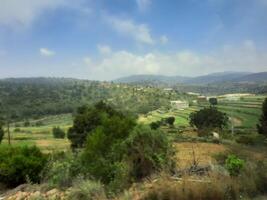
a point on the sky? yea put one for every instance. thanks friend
(108, 39)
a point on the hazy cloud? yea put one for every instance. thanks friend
(46, 52)
(104, 49)
(129, 28)
(164, 39)
(245, 57)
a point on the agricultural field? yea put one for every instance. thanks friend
(41, 135)
(244, 112)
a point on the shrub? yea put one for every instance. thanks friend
(262, 126)
(2, 133)
(234, 165)
(247, 140)
(148, 151)
(58, 133)
(19, 164)
(155, 125)
(87, 190)
(170, 120)
(17, 130)
(62, 169)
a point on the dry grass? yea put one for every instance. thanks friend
(203, 153)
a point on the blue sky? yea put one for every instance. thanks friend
(107, 39)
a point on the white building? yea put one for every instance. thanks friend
(180, 105)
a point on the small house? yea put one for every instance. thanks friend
(179, 105)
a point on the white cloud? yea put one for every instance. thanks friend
(143, 5)
(87, 60)
(164, 39)
(22, 13)
(139, 32)
(104, 49)
(245, 57)
(46, 52)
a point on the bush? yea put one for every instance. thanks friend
(247, 140)
(234, 165)
(2, 133)
(20, 164)
(148, 151)
(87, 190)
(170, 120)
(262, 126)
(62, 169)
(155, 125)
(58, 133)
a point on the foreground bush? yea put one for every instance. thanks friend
(218, 188)
(20, 164)
(1, 132)
(61, 170)
(148, 151)
(87, 190)
(234, 165)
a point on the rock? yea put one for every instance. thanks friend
(52, 192)
(35, 195)
(216, 135)
(21, 195)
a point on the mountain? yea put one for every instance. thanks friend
(256, 77)
(216, 77)
(154, 79)
(173, 80)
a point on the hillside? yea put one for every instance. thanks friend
(221, 77)
(34, 97)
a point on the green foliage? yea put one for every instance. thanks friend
(148, 151)
(58, 132)
(87, 190)
(89, 118)
(155, 125)
(262, 126)
(62, 169)
(20, 164)
(234, 165)
(208, 118)
(170, 120)
(213, 101)
(2, 132)
(103, 147)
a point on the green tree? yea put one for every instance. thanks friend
(213, 101)
(208, 118)
(1, 132)
(262, 126)
(170, 120)
(58, 133)
(155, 125)
(88, 119)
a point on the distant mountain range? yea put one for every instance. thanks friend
(221, 77)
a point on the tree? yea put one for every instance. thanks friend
(262, 126)
(213, 101)
(170, 120)
(58, 133)
(155, 125)
(88, 119)
(1, 132)
(208, 118)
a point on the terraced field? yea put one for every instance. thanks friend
(244, 112)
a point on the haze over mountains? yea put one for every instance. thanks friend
(221, 77)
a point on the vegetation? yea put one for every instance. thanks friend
(208, 118)
(1, 132)
(234, 165)
(262, 126)
(213, 101)
(89, 118)
(20, 164)
(58, 133)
